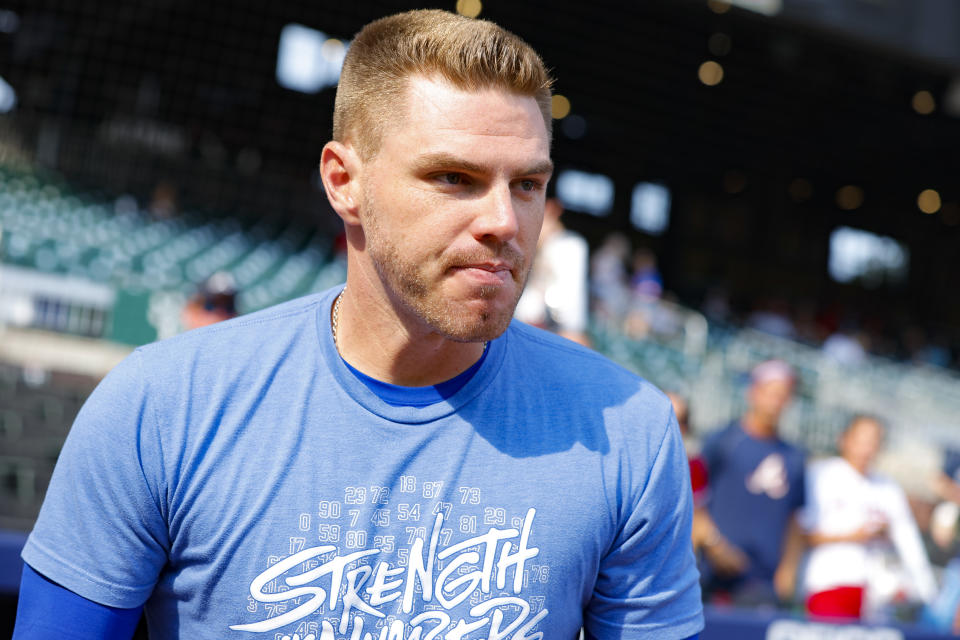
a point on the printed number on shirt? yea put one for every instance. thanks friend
(305, 520)
(415, 532)
(328, 533)
(354, 495)
(379, 495)
(494, 515)
(468, 524)
(328, 509)
(445, 508)
(356, 539)
(408, 484)
(380, 518)
(407, 512)
(297, 544)
(385, 543)
(469, 495)
(432, 489)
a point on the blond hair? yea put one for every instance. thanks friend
(469, 54)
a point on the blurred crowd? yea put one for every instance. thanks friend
(627, 290)
(831, 535)
(774, 527)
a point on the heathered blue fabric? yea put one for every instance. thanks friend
(244, 484)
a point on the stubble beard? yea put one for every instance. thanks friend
(411, 286)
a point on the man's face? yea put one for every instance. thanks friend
(861, 443)
(769, 398)
(452, 205)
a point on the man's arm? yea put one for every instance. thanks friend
(726, 558)
(101, 532)
(785, 577)
(47, 610)
(648, 585)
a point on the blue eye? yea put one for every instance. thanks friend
(452, 178)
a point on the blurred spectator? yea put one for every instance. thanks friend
(773, 317)
(756, 488)
(555, 297)
(608, 279)
(163, 203)
(213, 302)
(706, 541)
(947, 487)
(846, 348)
(716, 305)
(646, 286)
(698, 470)
(646, 281)
(866, 548)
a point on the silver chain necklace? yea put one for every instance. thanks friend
(335, 321)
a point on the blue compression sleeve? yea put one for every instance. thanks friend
(47, 610)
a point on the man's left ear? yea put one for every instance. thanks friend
(340, 171)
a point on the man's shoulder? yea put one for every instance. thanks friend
(564, 367)
(539, 348)
(236, 348)
(729, 432)
(246, 332)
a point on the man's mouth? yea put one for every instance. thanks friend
(486, 273)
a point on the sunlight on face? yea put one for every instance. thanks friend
(452, 206)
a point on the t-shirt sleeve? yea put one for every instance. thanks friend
(100, 532)
(648, 584)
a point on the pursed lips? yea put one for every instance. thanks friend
(488, 271)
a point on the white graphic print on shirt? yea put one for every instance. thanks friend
(366, 568)
(770, 477)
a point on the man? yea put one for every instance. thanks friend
(390, 460)
(750, 538)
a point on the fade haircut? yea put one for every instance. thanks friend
(469, 54)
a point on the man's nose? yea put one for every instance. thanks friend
(497, 216)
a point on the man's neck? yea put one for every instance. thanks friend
(376, 339)
(758, 426)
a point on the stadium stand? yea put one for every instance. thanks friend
(81, 264)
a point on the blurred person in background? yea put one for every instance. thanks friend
(756, 490)
(646, 288)
(214, 301)
(705, 539)
(609, 285)
(555, 297)
(946, 485)
(865, 548)
(698, 470)
(944, 612)
(706, 542)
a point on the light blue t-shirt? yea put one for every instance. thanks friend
(241, 481)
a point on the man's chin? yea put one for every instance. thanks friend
(482, 324)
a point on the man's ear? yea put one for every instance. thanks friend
(340, 172)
